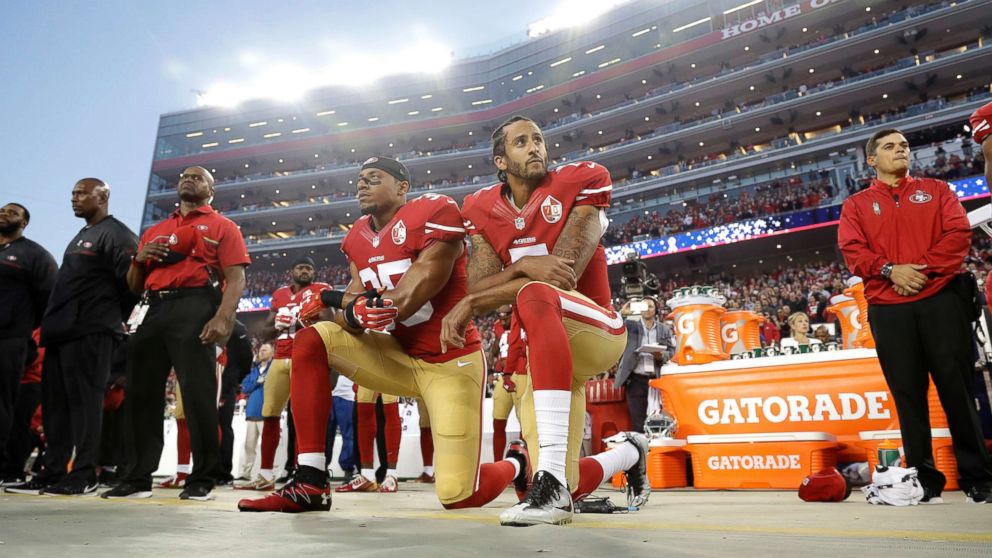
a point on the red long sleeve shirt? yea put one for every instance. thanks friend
(919, 221)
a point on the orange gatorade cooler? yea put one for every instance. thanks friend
(847, 312)
(740, 331)
(769, 460)
(856, 290)
(666, 463)
(943, 451)
(697, 313)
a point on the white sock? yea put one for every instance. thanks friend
(184, 468)
(266, 474)
(391, 473)
(618, 459)
(516, 466)
(551, 409)
(369, 474)
(429, 470)
(315, 460)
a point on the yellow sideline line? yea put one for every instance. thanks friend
(581, 521)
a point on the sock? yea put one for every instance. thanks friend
(427, 448)
(391, 473)
(591, 475)
(366, 434)
(493, 479)
(183, 451)
(266, 474)
(310, 392)
(368, 473)
(551, 409)
(270, 441)
(539, 308)
(394, 432)
(183, 469)
(618, 459)
(313, 459)
(499, 438)
(429, 469)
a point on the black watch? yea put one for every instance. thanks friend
(886, 270)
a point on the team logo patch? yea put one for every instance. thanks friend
(87, 244)
(202, 227)
(399, 233)
(920, 197)
(375, 241)
(370, 161)
(11, 258)
(519, 223)
(173, 239)
(551, 209)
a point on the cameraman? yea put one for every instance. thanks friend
(637, 366)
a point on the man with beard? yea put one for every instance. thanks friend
(191, 271)
(80, 330)
(281, 326)
(27, 275)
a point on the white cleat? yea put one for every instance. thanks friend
(547, 503)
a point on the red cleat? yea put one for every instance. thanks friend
(175, 481)
(358, 483)
(425, 478)
(521, 483)
(389, 485)
(295, 497)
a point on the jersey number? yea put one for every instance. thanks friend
(384, 279)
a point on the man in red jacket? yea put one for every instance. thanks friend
(907, 237)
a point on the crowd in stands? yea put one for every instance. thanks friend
(261, 282)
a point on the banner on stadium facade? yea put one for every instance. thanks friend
(777, 16)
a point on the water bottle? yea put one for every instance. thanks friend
(888, 454)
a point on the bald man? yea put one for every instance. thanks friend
(80, 329)
(190, 271)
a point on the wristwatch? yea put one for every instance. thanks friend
(886, 270)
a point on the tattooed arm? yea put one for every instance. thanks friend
(575, 247)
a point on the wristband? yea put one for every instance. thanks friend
(332, 299)
(349, 314)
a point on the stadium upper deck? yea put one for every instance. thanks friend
(671, 103)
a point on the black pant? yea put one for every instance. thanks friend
(637, 400)
(225, 416)
(290, 438)
(112, 439)
(13, 357)
(169, 338)
(932, 335)
(19, 443)
(73, 385)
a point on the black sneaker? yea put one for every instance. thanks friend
(7, 481)
(71, 487)
(547, 503)
(107, 478)
(126, 489)
(287, 476)
(931, 496)
(27, 487)
(197, 492)
(978, 495)
(518, 450)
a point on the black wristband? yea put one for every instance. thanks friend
(332, 299)
(349, 315)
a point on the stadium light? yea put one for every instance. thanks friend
(571, 13)
(693, 24)
(742, 6)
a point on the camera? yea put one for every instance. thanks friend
(637, 282)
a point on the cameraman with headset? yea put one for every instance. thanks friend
(650, 342)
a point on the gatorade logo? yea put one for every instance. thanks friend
(686, 325)
(855, 319)
(753, 462)
(820, 407)
(729, 333)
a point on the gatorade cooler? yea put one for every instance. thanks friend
(847, 312)
(697, 313)
(856, 290)
(740, 331)
(769, 460)
(943, 451)
(666, 463)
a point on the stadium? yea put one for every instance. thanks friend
(733, 133)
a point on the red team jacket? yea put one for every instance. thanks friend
(383, 257)
(534, 230)
(283, 297)
(981, 129)
(920, 221)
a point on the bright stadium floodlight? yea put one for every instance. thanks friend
(571, 13)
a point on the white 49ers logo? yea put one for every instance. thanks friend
(399, 233)
(920, 197)
(551, 210)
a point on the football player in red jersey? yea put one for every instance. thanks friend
(510, 383)
(281, 325)
(536, 244)
(408, 270)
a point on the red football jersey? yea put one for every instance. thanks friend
(383, 257)
(981, 123)
(286, 302)
(533, 231)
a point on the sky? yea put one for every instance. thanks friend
(84, 83)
